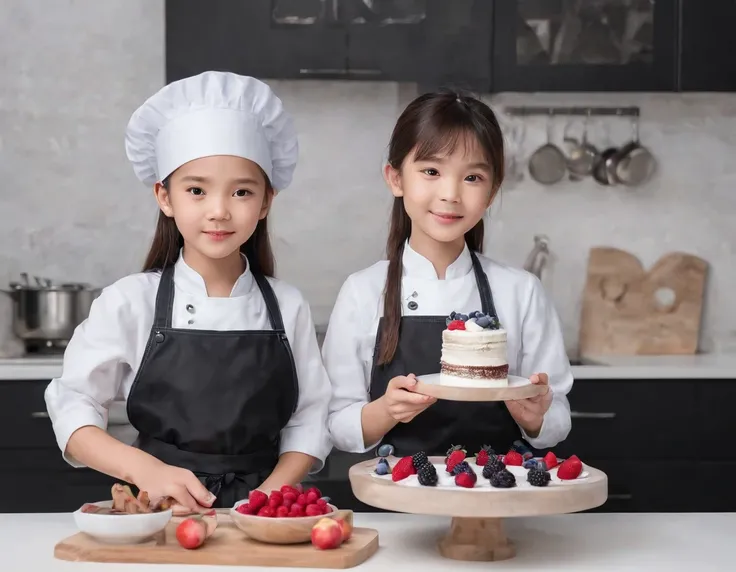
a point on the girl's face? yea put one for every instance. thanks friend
(444, 196)
(216, 202)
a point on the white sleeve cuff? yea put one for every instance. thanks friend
(310, 441)
(83, 417)
(346, 429)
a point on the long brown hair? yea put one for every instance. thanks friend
(167, 241)
(432, 125)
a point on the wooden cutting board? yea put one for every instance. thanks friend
(628, 310)
(228, 546)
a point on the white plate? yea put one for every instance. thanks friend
(518, 388)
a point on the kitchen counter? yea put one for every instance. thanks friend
(651, 542)
(702, 366)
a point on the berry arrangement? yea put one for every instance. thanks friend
(475, 321)
(495, 468)
(288, 502)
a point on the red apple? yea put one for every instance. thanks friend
(346, 526)
(191, 533)
(326, 534)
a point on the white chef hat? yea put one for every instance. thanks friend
(213, 113)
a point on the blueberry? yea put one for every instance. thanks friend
(483, 322)
(385, 450)
(473, 314)
(382, 467)
(531, 464)
(463, 317)
(453, 314)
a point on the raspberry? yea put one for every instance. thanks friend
(456, 325)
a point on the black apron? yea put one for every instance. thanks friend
(444, 423)
(215, 402)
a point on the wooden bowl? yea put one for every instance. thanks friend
(287, 530)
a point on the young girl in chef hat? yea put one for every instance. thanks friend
(445, 166)
(217, 360)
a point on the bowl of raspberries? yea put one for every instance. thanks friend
(285, 516)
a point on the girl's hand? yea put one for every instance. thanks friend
(402, 404)
(161, 480)
(529, 413)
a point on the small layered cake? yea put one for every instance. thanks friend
(474, 352)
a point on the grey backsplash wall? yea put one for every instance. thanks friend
(71, 208)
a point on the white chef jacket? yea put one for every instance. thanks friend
(106, 350)
(534, 335)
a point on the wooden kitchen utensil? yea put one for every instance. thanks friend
(630, 311)
(228, 546)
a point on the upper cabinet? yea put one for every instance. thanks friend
(393, 40)
(707, 45)
(585, 45)
(484, 45)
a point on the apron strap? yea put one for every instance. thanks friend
(272, 305)
(484, 288)
(164, 299)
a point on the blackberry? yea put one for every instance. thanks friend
(503, 479)
(493, 465)
(419, 459)
(461, 467)
(427, 475)
(538, 478)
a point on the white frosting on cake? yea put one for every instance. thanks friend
(447, 481)
(473, 348)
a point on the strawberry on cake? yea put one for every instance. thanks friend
(473, 352)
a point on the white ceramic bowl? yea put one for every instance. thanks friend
(121, 528)
(281, 530)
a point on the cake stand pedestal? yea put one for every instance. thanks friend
(478, 539)
(476, 532)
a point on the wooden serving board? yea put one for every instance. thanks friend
(228, 546)
(628, 310)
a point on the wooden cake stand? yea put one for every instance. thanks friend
(518, 388)
(476, 531)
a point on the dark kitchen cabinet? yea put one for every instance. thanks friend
(707, 45)
(593, 45)
(261, 38)
(426, 41)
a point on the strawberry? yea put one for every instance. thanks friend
(266, 511)
(466, 479)
(257, 499)
(275, 499)
(282, 511)
(482, 457)
(550, 460)
(513, 458)
(455, 455)
(570, 469)
(296, 510)
(402, 469)
(456, 325)
(313, 510)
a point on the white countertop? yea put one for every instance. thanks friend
(702, 366)
(651, 542)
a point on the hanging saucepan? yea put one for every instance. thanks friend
(633, 164)
(601, 165)
(548, 164)
(582, 157)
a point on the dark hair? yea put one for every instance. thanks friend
(432, 125)
(167, 241)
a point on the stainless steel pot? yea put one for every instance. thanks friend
(47, 312)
